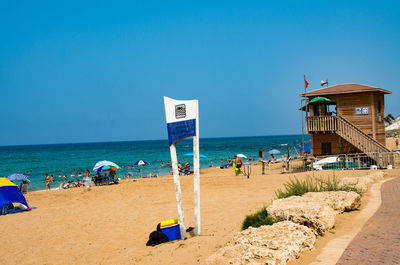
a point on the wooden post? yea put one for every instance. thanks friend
(262, 159)
(178, 192)
(196, 179)
(263, 167)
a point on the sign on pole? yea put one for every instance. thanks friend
(182, 118)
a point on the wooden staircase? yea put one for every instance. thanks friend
(351, 134)
(358, 138)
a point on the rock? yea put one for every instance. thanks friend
(362, 182)
(315, 214)
(316, 210)
(275, 244)
(341, 201)
(358, 182)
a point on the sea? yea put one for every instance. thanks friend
(66, 159)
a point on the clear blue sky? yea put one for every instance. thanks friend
(79, 71)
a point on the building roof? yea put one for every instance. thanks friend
(344, 89)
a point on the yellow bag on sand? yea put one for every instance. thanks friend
(169, 222)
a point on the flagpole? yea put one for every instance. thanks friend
(302, 121)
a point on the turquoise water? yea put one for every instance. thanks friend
(36, 160)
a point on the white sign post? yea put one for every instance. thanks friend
(183, 121)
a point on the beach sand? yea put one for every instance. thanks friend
(111, 224)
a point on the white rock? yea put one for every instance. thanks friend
(275, 244)
(315, 214)
(363, 181)
(341, 201)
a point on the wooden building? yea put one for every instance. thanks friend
(350, 121)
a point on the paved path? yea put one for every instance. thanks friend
(378, 242)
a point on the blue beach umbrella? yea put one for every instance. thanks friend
(274, 152)
(14, 177)
(200, 155)
(141, 163)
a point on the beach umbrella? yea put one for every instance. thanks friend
(10, 193)
(14, 177)
(105, 166)
(319, 100)
(200, 155)
(241, 156)
(141, 163)
(274, 152)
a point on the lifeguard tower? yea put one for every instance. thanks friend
(345, 119)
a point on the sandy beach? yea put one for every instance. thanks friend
(111, 224)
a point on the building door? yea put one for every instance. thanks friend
(326, 148)
(316, 110)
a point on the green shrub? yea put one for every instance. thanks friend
(296, 187)
(258, 219)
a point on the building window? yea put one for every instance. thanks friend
(326, 148)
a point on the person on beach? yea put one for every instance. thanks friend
(72, 175)
(62, 185)
(186, 170)
(162, 164)
(24, 187)
(79, 183)
(47, 179)
(397, 143)
(59, 175)
(52, 178)
(179, 168)
(113, 175)
(238, 164)
(97, 179)
(87, 180)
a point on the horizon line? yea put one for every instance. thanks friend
(147, 140)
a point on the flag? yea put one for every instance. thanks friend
(181, 116)
(305, 82)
